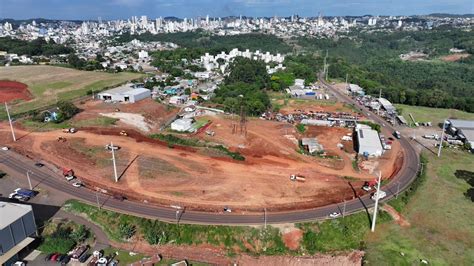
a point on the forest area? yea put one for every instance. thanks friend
(372, 61)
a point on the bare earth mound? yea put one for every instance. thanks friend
(12, 90)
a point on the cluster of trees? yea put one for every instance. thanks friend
(65, 111)
(33, 48)
(215, 44)
(371, 60)
(245, 86)
(63, 239)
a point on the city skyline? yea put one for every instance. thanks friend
(121, 9)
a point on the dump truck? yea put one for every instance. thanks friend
(368, 185)
(297, 178)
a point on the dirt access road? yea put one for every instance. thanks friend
(192, 177)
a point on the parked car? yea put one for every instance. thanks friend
(18, 197)
(69, 177)
(65, 260)
(227, 209)
(48, 257)
(5, 148)
(77, 184)
(61, 257)
(334, 214)
(54, 257)
(38, 164)
(119, 197)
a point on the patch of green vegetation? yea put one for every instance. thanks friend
(355, 165)
(234, 155)
(434, 115)
(174, 140)
(404, 198)
(371, 124)
(301, 128)
(346, 233)
(248, 239)
(62, 237)
(350, 178)
(42, 126)
(98, 121)
(123, 257)
(441, 229)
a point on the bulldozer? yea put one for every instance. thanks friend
(61, 139)
(123, 133)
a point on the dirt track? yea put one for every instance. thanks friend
(201, 178)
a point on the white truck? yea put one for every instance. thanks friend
(381, 194)
(298, 178)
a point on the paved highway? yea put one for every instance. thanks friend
(54, 181)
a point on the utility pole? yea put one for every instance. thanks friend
(113, 160)
(10, 120)
(377, 193)
(398, 190)
(347, 84)
(441, 139)
(265, 217)
(344, 208)
(97, 198)
(29, 180)
(380, 93)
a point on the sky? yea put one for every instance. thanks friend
(122, 9)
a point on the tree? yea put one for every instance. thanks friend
(80, 234)
(126, 230)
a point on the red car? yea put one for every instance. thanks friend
(54, 257)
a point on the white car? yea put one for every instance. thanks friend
(69, 177)
(227, 209)
(334, 214)
(5, 148)
(77, 184)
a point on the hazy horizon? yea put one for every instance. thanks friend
(122, 9)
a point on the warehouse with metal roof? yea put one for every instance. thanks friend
(368, 142)
(128, 93)
(17, 226)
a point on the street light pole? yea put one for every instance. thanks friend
(265, 217)
(113, 160)
(10, 121)
(377, 196)
(441, 140)
(344, 208)
(29, 180)
(97, 198)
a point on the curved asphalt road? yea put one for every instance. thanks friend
(55, 181)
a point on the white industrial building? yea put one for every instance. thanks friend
(368, 141)
(182, 125)
(17, 230)
(128, 93)
(387, 105)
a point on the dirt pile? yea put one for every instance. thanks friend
(12, 90)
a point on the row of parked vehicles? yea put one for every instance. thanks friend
(63, 259)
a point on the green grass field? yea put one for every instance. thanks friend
(49, 84)
(441, 217)
(434, 115)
